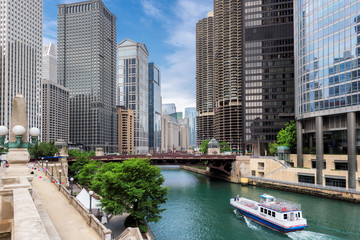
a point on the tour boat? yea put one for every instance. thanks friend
(277, 214)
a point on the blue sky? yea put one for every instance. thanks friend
(167, 27)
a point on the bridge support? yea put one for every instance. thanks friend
(240, 168)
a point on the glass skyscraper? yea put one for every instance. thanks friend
(191, 114)
(132, 88)
(327, 53)
(154, 108)
(87, 67)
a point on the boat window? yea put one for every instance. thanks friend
(265, 211)
(285, 216)
(269, 212)
(273, 214)
(299, 215)
(261, 210)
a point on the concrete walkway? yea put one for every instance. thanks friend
(66, 219)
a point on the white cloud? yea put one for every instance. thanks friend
(150, 8)
(178, 77)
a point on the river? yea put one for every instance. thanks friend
(198, 208)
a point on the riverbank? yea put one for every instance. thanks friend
(308, 189)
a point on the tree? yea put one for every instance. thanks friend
(133, 186)
(224, 147)
(3, 150)
(80, 162)
(87, 173)
(204, 146)
(43, 149)
(91, 153)
(74, 153)
(285, 137)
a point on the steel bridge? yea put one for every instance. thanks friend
(214, 162)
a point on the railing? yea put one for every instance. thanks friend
(330, 188)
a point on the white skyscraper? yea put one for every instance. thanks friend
(49, 62)
(21, 55)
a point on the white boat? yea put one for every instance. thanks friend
(277, 214)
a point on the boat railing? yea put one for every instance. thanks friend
(249, 203)
(282, 205)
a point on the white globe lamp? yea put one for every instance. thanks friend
(4, 131)
(18, 130)
(34, 132)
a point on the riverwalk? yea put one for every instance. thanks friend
(67, 221)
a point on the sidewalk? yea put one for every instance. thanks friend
(66, 219)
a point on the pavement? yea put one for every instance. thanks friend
(67, 221)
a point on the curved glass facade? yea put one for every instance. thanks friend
(327, 53)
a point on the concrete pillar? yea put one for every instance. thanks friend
(319, 149)
(299, 143)
(351, 141)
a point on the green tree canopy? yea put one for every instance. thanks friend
(133, 186)
(87, 173)
(224, 147)
(43, 149)
(3, 150)
(80, 162)
(204, 146)
(286, 137)
(74, 153)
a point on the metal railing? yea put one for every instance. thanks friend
(310, 185)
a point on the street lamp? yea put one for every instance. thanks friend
(90, 193)
(71, 185)
(47, 164)
(60, 176)
(18, 131)
(42, 163)
(52, 171)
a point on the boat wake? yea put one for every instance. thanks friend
(310, 235)
(251, 224)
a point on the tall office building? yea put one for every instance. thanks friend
(154, 108)
(168, 108)
(228, 64)
(87, 67)
(55, 99)
(327, 104)
(205, 78)
(125, 131)
(191, 114)
(132, 87)
(20, 61)
(49, 62)
(177, 115)
(268, 71)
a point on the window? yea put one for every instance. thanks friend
(335, 182)
(269, 213)
(261, 210)
(341, 166)
(306, 179)
(265, 211)
(285, 216)
(273, 214)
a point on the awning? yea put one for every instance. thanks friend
(306, 174)
(335, 177)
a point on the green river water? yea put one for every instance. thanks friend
(198, 208)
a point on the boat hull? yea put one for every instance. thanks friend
(269, 224)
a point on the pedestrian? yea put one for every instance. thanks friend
(4, 162)
(7, 164)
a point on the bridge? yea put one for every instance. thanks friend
(216, 163)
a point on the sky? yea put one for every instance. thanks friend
(167, 27)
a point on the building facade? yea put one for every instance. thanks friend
(327, 86)
(191, 114)
(228, 69)
(177, 115)
(174, 134)
(132, 88)
(205, 78)
(268, 71)
(87, 67)
(126, 131)
(49, 62)
(55, 110)
(168, 108)
(20, 61)
(154, 108)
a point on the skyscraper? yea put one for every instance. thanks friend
(133, 87)
(125, 131)
(55, 99)
(327, 99)
(205, 78)
(268, 71)
(20, 61)
(168, 108)
(191, 114)
(49, 62)
(228, 64)
(87, 67)
(154, 108)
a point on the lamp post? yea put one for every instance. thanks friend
(52, 171)
(18, 131)
(60, 177)
(90, 193)
(71, 185)
(47, 164)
